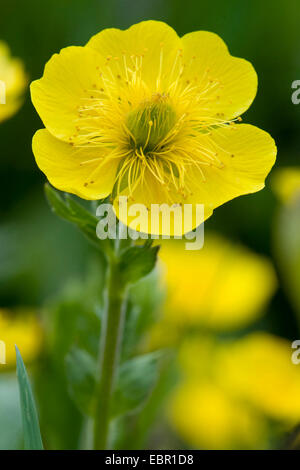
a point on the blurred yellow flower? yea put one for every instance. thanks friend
(22, 330)
(152, 116)
(222, 286)
(13, 81)
(260, 368)
(231, 401)
(205, 417)
(286, 183)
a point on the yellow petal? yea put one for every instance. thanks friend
(259, 368)
(230, 82)
(162, 212)
(206, 418)
(12, 83)
(75, 170)
(150, 46)
(68, 83)
(9, 108)
(233, 284)
(245, 156)
(22, 329)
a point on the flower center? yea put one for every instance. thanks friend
(150, 123)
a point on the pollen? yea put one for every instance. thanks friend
(156, 129)
(156, 118)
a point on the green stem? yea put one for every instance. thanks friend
(109, 352)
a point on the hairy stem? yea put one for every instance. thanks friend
(109, 352)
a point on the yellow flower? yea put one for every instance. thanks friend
(146, 114)
(260, 368)
(286, 183)
(13, 81)
(22, 330)
(222, 286)
(231, 393)
(205, 417)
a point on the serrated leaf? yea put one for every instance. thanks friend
(80, 370)
(136, 378)
(31, 428)
(137, 262)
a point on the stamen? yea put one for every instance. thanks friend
(163, 132)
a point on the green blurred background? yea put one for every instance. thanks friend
(38, 252)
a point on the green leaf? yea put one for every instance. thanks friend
(81, 370)
(68, 209)
(138, 261)
(57, 203)
(31, 429)
(80, 213)
(135, 381)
